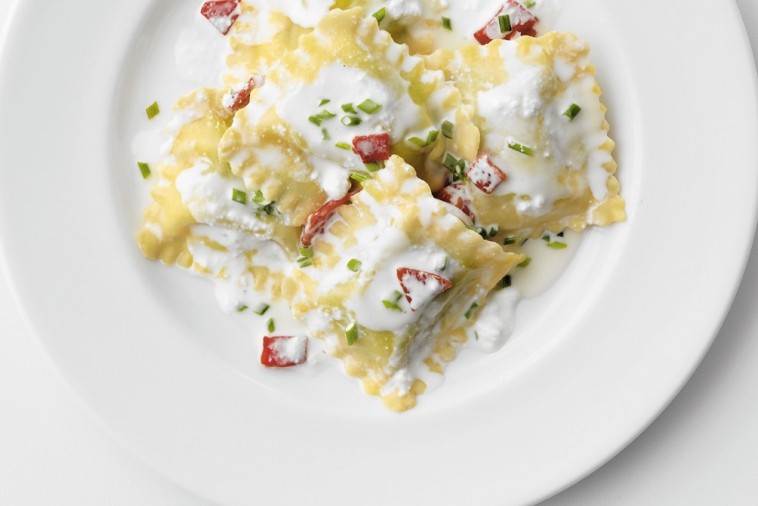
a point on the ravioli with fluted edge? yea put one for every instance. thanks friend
(365, 182)
(296, 140)
(396, 277)
(545, 160)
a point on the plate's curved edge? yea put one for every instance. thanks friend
(749, 58)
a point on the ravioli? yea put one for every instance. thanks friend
(295, 141)
(543, 127)
(396, 277)
(198, 204)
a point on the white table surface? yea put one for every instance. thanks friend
(703, 450)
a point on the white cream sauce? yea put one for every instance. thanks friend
(340, 85)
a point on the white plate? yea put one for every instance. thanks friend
(592, 362)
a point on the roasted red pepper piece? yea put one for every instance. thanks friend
(485, 175)
(521, 19)
(239, 97)
(411, 281)
(373, 147)
(284, 351)
(221, 13)
(316, 221)
(457, 195)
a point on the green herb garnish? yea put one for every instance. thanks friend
(557, 245)
(144, 169)
(379, 15)
(359, 177)
(324, 102)
(447, 129)
(505, 23)
(446, 23)
(572, 111)
(373, 166)
(509, 240)
(521, 148)
(505, 282)
(239, 196)
(369, 106)
(152, 110)
(344, 145)
(241, 308)
(525, 263)
(351, 120)
(354, 264)
(349, 108)
(270, 325)
(261, 309)
(351, 333)
(470, 311)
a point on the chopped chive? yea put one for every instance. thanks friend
(268, 208)
(449, 162)
(446, 23)
(525, 263)
(359, 177)
(421, 143)
(349, 108)
(523, 241)
(396, 296)
(521, 148)
(322, 116)
(261, 309)
(392, 306)
(304, 262)
(239, 196)
(447, 129)
(258, 198)
(491, 232)
(325, 134)
(530, 3)
(241, 308)
(369, 106)
(305, 252)
(557, 245)
(560, 234)
(324, 102)
(152, 110)
(470, 311)
(572, 111)
(351, 120)
(344, 145)
(505, 23)
(476, 335)
(270, 325)
(373, 166)
(379, 15)
(354, 264)
(351, 333)
(546, 238)
(144, 169)
(509, 240)
(505, 282)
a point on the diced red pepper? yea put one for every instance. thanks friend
(521, 19)
(239, 97)
(420, 287)
(284, 351)
(485, 175)
(457, 195)
(373, 147)
(221, 13)
(317, 220)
